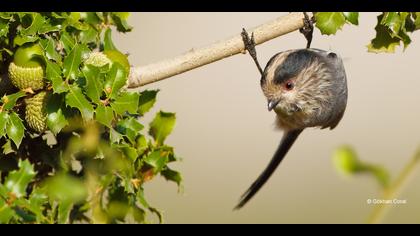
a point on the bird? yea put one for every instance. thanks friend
(305, 88)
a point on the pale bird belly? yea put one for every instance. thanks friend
(296, 120)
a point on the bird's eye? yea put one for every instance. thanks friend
(289, 85)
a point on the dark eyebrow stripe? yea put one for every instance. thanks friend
(293, 64)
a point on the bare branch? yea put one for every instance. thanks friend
(154, 72)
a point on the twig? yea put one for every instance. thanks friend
(393, 190)
(195, 58)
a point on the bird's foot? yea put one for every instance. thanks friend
(307, 29)
(249, 44)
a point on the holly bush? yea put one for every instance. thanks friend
(392, 28)
(74, 148)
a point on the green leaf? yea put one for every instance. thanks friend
(347, 162)
(162, 126)
(130, 127)
(4, 118)
(141, 144)
(58, 188)
(56, 120)
(17, 181)
(73, 20)
(74, 16)
(48, 28)
(21, 15)
(93, 83)
(88, 36)
(393, 21)
(139, 215)
(104, 115)
(49, 47)
(116, 192)
(19, 40)
(72, 63)
(172, 175)
(4, 28)
(115, 136)
(383, 41)
(100, 15)
(409, 22)
(132, 123)
(405, 21)
(6, 15)
(64, 209)
(329, 22)
(352, 17)
(130, 152)
(417, 19)
(59, 15)
(4, 192)
(120, 20)
(6, 213)
(25, 217)
(53, 73)
(36, 203)
(126, 102)
(118, 210)
(75, 98)
(116, 79)
(15, 129)
(9, 101)
(7, 147)
(404, 38)
(90, 17)
(37, 22)
(146, 100)
(67, 41)
(108, 44)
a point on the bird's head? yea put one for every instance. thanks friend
(298, 80)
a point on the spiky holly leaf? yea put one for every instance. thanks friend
(352, 17)
(56, 120)
(17, 181)
(49, 46)
(115, 80)
(146, 100)
(383, 41)
(126, 102)
(53, 73)
(94, 85)
(15, 129)
(75, 98)
(329, 22)
(162, 126)
(105, 115)
(4, 118)
(108, 44)
(72, 61)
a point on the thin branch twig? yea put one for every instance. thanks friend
(154, 72)
(393, 190)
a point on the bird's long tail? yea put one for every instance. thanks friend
(286, 142)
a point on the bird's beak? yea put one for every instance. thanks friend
(272, 104)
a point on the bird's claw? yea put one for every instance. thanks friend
(249, 44)
(307, 29)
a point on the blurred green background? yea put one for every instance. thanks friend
(226, 135)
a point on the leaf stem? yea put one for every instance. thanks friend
(393, 190)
